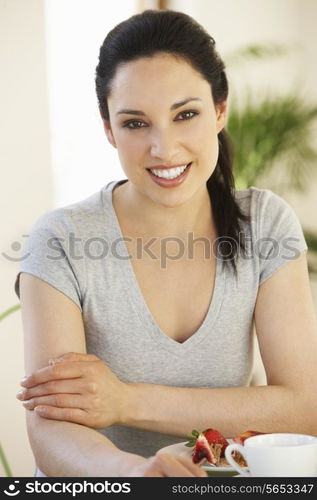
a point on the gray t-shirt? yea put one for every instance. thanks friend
(80, 250)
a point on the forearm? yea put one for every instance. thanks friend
(65, 449)
(178, 410)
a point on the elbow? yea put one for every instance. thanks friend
(38, 434)
(33, 426)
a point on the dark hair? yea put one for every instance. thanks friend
(178, 34)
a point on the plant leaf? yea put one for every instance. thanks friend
(9, 311)
(191, 443)
(192, 438)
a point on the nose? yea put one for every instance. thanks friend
(164, 145)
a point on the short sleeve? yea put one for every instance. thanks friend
(49, 254)
(279, 235)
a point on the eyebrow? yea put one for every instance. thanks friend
(174, 106)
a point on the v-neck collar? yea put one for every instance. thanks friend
(136, 298)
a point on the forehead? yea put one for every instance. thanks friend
(160, 74)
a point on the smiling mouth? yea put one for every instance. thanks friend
(169, 173)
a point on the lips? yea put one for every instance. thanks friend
(169, 183)
(163, 167)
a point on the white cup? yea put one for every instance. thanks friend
(277, 455)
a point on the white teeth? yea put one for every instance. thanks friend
(169, 173)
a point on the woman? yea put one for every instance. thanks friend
(161, 277)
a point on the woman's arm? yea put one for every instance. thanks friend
(287, 331)
(53, 324)
(65, 449)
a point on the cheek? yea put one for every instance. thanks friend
(129, 148)
(202, 132)
(131, 142)
(213, 149)
(209, 151)
(203, 140)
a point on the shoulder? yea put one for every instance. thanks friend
(258, 200)
(276, 232)
(274, 227)
(267, 209)
(54, 248)
(76, 216)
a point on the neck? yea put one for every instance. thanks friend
(146, 216)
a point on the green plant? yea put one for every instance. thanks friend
(276, 129)
(272, 134)
(4, 463)
(3, 459)
(9, 311)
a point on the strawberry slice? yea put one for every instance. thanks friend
(240, 438)
(213, 437)
(202, 451)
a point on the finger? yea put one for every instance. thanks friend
(173, 467)
(152, 472)
(149, 469)
(57, 400)
(54, 372)
(146, 471)
(195, 469)
(74, 356)
(75, 415)
(74, 386)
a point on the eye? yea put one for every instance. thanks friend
(134, 124)
(187, 115)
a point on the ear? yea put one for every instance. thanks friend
(108, 131)
(221, 110)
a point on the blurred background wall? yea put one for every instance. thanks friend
(52, 147)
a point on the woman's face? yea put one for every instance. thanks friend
(161, 114)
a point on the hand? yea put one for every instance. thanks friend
(165, 465)
(77, 388)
